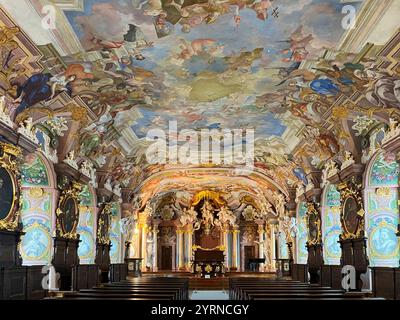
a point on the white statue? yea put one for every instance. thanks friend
(279, 199)
(27, 130)
(189, 216)
(108, 185)
(225, 216)
(149, 249)
(70, 160)
(207, 214)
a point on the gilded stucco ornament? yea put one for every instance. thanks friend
(9, 156)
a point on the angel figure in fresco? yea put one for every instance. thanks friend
(44, 87)
(296, 51)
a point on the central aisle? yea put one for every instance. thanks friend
(209, 295)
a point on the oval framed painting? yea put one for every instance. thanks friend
(350, 215)
(70, 214)
(8, 194)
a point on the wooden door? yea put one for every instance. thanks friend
(166, 258)
(249, 253)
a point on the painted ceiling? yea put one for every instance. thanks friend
(288, 69)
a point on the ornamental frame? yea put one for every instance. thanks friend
(312, 212)
(9, 155)
(352, 189)
(71, 193)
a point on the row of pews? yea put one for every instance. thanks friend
(279, 289)
(143, 288)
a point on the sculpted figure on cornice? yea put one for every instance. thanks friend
(188, 217)
(280, 202)
(348, 160)
(393, 130)
(225, 217)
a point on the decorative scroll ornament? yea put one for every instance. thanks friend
(58, 125)
(67, 213)
(208, 195)
(393, 130)
(249, 213)
(167, 212)
(26, 129)
(352, 211)
(314, 225)
(104, 224)
(348, 160)
(71, 160)
(362, 124)
(10, 186)
(5, 117)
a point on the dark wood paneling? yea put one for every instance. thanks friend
(397, 283)
(336, 272)
(383, 280)
(34, 278)
(295, 275)
(326, 276)
(13, 283)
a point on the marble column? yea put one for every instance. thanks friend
(235, 252)
(155, 245)
(188, 245)
(144, 249)
(261, 243)
(225, 235)
(273, 249)
(180, 253)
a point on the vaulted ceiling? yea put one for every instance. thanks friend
(290, 70)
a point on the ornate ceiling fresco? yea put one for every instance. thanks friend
(311, 87)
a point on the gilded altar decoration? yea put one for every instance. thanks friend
(352, 210)
(208, 195)
(9, 187)
(67, 213)
(314, 224)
